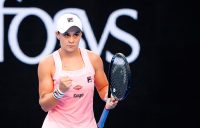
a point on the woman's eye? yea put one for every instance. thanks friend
(67, 34)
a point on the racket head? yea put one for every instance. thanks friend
(119, 76)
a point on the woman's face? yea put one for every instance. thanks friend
(69, 41)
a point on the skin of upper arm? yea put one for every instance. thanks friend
(100, 78)
(45, 76)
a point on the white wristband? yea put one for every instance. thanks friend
(57, 93)
(60, 92)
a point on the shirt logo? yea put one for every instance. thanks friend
(78, 95)
(77, 87)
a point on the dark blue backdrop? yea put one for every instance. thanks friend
(161, 96)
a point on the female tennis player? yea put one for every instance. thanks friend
(68, 77)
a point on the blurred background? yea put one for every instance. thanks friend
(159, 39)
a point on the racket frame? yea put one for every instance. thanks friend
(105, 112)
(110, 91)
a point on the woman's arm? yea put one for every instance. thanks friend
(100, 78)
(46, 99)
(101, 81)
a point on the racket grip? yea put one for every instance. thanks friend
(103, 118)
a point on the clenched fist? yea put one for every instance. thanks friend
(65, 83)
(111, 103)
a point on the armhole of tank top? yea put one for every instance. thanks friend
(87, 61)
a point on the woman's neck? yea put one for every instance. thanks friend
(64, 53)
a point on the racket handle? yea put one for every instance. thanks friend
(103, 118)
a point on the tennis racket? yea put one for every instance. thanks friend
(119, 78)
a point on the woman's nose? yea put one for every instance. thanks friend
(71, 39)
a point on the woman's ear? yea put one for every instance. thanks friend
(81, 33)
(58, 35)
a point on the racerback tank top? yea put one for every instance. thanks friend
(75, 109)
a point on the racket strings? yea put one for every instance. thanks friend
(119, 78)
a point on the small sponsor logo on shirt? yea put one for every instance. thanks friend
(78, 95)
(77, 87)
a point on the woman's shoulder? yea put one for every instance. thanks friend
(95, 59)
(93, 55)
(46, 61)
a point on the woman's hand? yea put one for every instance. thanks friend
(65, 83)
(111, 103)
